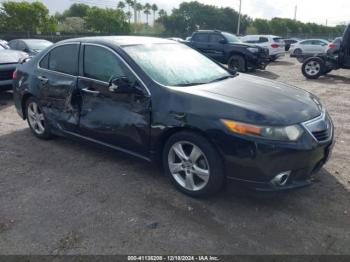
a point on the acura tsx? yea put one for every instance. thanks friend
(163, 101)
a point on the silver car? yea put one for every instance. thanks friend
(309, 46)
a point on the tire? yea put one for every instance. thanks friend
(273, 59)
(313, 68)
(238, 63)
(193, 165)
(36, 119)
(298, 52)
(327, 71)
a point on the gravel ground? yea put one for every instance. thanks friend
(63, 197)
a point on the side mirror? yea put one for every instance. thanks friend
(122, 85)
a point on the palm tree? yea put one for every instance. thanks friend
(128, 16)
(154, 9)
(121, 5)
(130, 3)
(162, 13)
(139, 8)
(147, 11)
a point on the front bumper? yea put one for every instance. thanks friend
(6, 71)
(254, 163)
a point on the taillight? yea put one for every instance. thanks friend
(275, 46)
(331, 45)
(14, 74)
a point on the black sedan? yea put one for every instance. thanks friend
(30, 46)
(160, 100)
(8, 62)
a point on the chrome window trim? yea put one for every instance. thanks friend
(323, 117)
(122, 60)
(52, 71)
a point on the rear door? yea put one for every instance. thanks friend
(57, 81)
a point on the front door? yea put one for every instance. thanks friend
(57, 82)
(115, 119)
(216, 47)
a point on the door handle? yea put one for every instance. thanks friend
(89, 91)
(43, 79)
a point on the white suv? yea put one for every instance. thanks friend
(274, 44)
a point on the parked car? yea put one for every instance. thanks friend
(274, 44)
(177, 39)
(309, 46)
(8, 63)
(121, 93)
(30, 46)
(4, 44)
(228, 49)
(321, 64)
(289, 42)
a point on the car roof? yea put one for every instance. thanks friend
(120, 40)
(273, 36)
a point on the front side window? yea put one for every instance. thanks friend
(101, 64)
(21, 46)
(64, 59)
(175, 64)
(231, 38)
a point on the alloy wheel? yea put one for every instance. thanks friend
(313, 68)
(36, 118)
(189, 166)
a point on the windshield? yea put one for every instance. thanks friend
(38, 44)
(231, 38)
(175, 64)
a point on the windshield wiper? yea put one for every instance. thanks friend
(222, 78)
(190, 84)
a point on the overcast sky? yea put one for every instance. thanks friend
(336, 11)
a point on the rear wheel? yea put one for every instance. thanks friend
(238, 63)
(36, 119)
(313, 68)
(193, 165)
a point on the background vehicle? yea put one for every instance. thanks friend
(177, 39)
(121, 93)
(8, 62)
(229, 50)
(321, 64)
(274, 44)
(30, 46)
(309, 46)
(289, 42)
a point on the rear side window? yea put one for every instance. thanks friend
(263, 40)
(13, 44)
(21, 46)
(64, 59)
(306, 42)
(101, 64)
(278, 40)
(201, 38)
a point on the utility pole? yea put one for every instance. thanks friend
(295, 13)
(239, 17)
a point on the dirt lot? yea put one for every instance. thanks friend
(63, 197)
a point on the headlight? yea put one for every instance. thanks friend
(253, 49)
(286, 133)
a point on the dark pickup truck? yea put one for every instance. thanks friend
(228, 49)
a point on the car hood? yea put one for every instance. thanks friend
(260, 101)
(11, 56)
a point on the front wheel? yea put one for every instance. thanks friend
(313, 68)
(36, 119)
(193, 165)
(237, 62)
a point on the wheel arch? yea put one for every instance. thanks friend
(159, 144)
(24, 100)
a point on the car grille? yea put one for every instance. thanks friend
(6, 75)
(321, 128)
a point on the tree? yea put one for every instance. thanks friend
(162, 13)
(72, 25)
(139, 8)
(147, 11)
(154, 9)
(130, 4)
(128, 16)
(106, 20)
(121, 5)
(24, 16)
